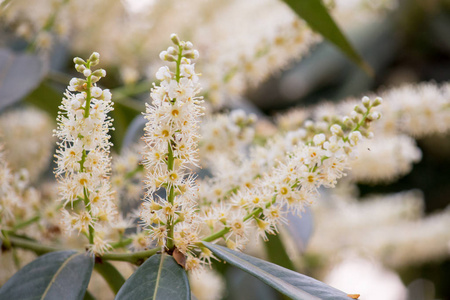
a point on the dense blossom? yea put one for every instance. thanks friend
(171, 149)
(83, 161)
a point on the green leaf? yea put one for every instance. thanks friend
(56, 275)
(317, 16)
(19, 75)
(289, 283)
(277, 253)
(88, 296)
(159, 278)
(113, 277)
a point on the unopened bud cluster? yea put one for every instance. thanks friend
(172, 53)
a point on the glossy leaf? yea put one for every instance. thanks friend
(317, 16)
(56, 275)
(243, 286)
(19, 75)
(289, 283)
(159, 278)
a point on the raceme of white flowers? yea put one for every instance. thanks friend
(177, 217)
(83, 161)
(249, 192)
(171, 138)
(408, 111)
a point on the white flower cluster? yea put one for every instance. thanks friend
(83, 160)
(415, 110)
(18, 201)
(273, 187)
(171, 149)
(127, 176)
(226, 135)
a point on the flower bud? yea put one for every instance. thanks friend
(191, 54)
(175, 39)
(377, 101)
(188, 46)
(337, 130)
(79, 61)
(94, 79)
(99, 73)
(359, 110)
(348, 122)
(366, 101)
(374, 116)
(95, 56)
(87, 72)
(80, 68)
(172, 51)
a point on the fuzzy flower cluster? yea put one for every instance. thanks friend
(269, 186)
(226, 135)
(82, 158)
(18, 201)
(127, 176)
(171, 149)
(409, 111)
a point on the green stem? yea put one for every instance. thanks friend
(170, 199)
(180, 55)
(366, 114)
(122, 243)
(134, 258)
(224, 231)
(170, 162)
(38, 248)
(91, 228)
(88, 93)
(6, 239)
(217, 235)
(26, 223)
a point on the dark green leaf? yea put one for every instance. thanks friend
(159, 278)
(277, 253)
(290, 283)
(317, 16)
(56, 275)
(113, 277)
(19, 75)
(88, 296)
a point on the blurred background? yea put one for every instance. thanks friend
(383, 238)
